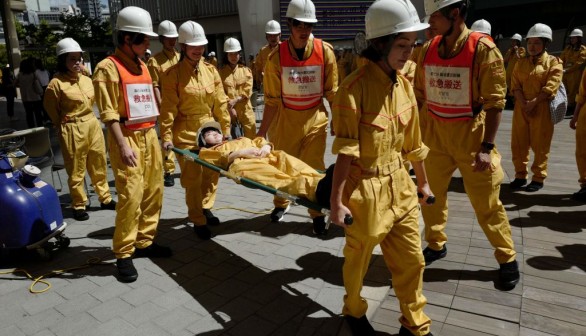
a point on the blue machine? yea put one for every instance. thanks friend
(30, 208)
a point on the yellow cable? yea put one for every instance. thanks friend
(91, 261)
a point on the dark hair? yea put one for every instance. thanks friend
(200, 141)
(136, 38)
(62, 63)
(375, 47)
(462, 6)
(27, 66)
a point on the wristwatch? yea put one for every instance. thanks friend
(487, 146)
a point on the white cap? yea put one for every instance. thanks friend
(67, 45)
(232, 45)
(540, 30)
(167, 29)
(432, 6)
(517, 37)
(481, 26)
(212, 54)
(272, 27)
(386, 17)
(135, 20)
(148, 51)
(576, 33)
(301, 10)
(192, 34)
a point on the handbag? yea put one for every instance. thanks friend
(558, 105)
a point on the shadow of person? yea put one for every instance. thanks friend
(572, 255)
(562, 221)
(432, 274)
(516, 201)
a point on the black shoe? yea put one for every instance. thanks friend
(580, 195)
(433, 255)
(108, 206)
(169, 180)
(80, 215)
(508, 275)
(126, 270)
(203, 232)
(324, 188)
(517, 183)
(278, 213)
(405, 332)
(359, 326)
(533, 186)
(210, 218)
(319, 226)
(153, 251)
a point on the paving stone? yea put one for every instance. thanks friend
(77, 304)
(143, 313)
(110, 309)
(73, 325)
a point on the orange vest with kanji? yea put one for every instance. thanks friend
(141, 107)
(302, 81)
(448, 82)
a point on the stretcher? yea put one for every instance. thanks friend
(191, 156)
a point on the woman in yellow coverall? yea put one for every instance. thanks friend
(255, 160)
(237, 80)
(376, 123)
(535, 82)
(512, 56)
(574, 59)
(578, 123)
(192, 95)
(125, 98)
(69, 100)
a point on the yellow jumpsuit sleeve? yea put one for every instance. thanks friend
(107, 91)
(331, 72)
(554, 76)
(272, 80)
(220, 108)
(413, 147)
(51, 101)
(260, 141)
(216, 156)
(419, 78)
(581, 96)
(246, 91)
(169, 102)
(346, 117)
(153, 67)
(490, 75)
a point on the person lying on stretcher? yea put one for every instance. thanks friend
(256, 160)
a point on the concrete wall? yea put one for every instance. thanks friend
(254, 14)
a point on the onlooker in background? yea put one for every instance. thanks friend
(212, 59)
(273, 37)
(574, 58)
(31, 92)
(512, 56)
(535, 82)
(44, 77)
(9, 91)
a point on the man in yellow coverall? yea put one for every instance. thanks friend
(254, 159)
(574, 58)
(237, 81)
(157, 65)
(296, 78)
(69, 101)
(273, 37)
(192, 95)
(535, 82)
(461, 86)
(125, 98)
(578, 123)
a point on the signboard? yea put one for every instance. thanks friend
(336, 20)
(18, 5)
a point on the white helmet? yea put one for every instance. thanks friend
(272, 27)
(135, 20)
(517, 37)
(301, 10)
(481, 26)
(386, 17)
(192, 34)
(232, 45)
(148, 52)
(67, 45)
(540, 30)
(432, 6)
(167, 29)
(576, 33)
(212, 54)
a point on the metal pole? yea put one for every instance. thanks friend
(12, 45)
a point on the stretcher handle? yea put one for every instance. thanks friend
(348, 220)
(430, 200)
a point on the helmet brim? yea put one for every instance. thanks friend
(305, 20)
(196, 44)
(170, 35)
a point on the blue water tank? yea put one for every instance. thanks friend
(30, 208)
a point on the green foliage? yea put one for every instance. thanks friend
(86, 31)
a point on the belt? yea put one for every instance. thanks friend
(84, 118)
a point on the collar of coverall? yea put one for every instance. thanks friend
(128, 62)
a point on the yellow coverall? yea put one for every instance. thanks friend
(213, 61)
(581, 132)
(261, 60)
(157, 65)
(300, 133)
(574, 64)
(238, 83)
(357, 62)
(408, 71)
(513, 57)
(69, 103)
(454, 144)
(140, 188)
(278, 170)
(376, 123)
(535, 132)
(191, 97)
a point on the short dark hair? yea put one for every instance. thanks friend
(376, 45)
(136, 38)
(462, 6)
(62, 63)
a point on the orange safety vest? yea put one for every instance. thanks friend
(141, 110)
(448, 82)
(302, 82)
